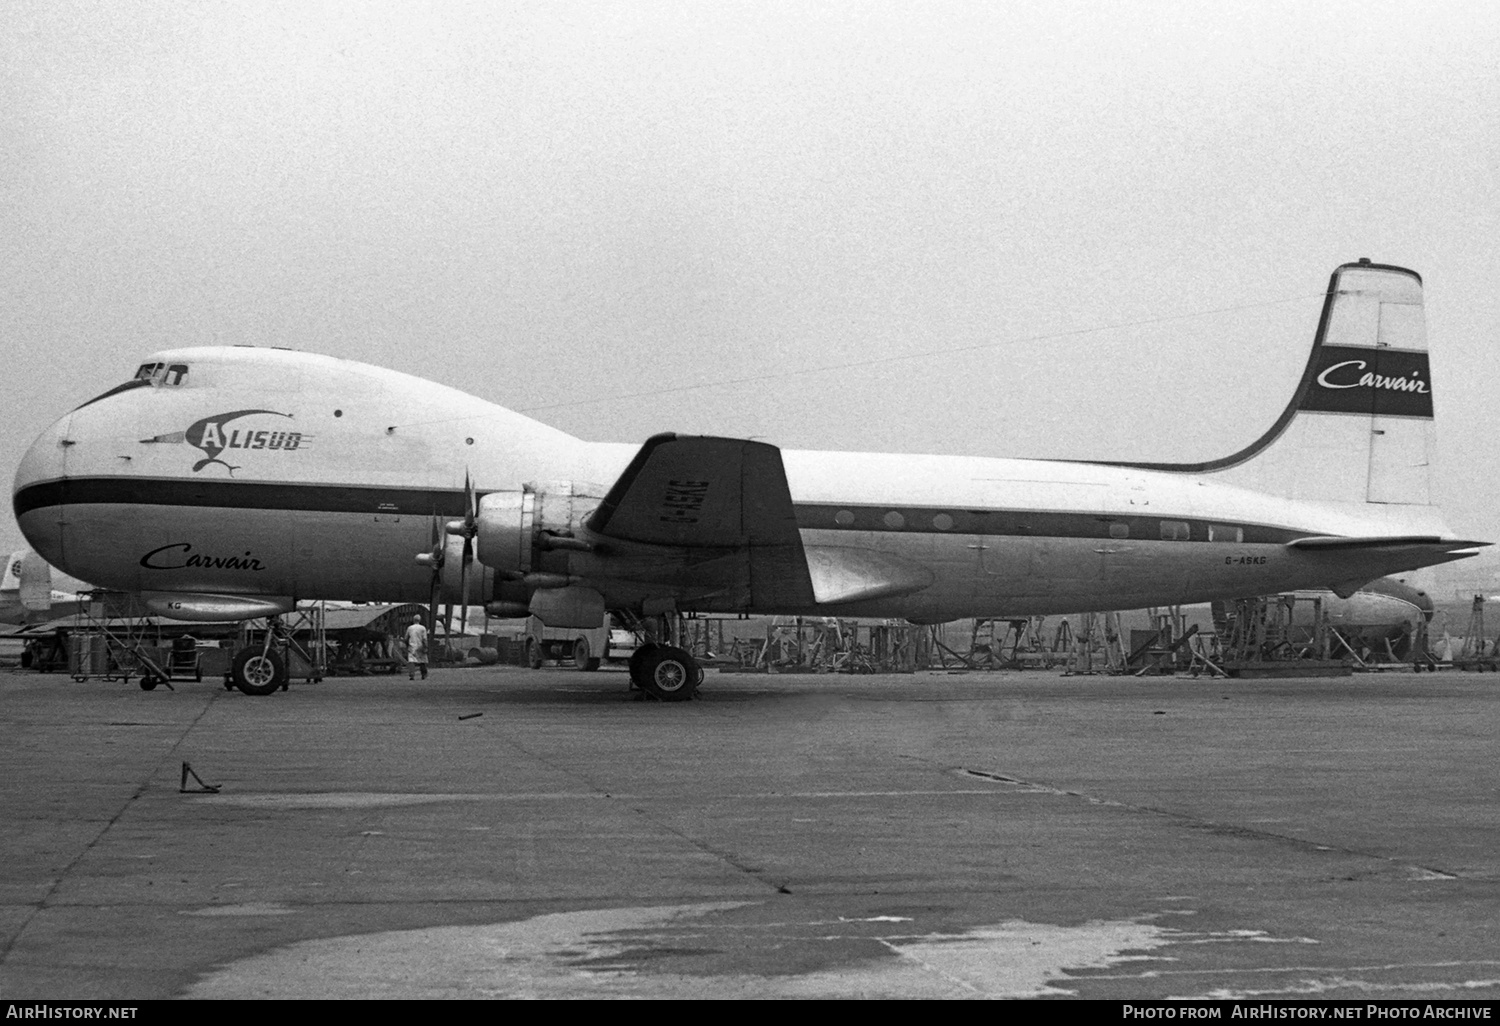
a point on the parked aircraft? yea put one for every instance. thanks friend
(26, 592)
(1382, 617)
(233, 482)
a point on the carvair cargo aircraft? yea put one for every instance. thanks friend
(235, 482)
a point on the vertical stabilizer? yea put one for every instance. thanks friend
(10, 580)
(1364, 429)
(1359, 428)
(35, 581)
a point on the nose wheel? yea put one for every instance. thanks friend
(666, 672)
(258, 673)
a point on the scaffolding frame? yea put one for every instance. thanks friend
(109, 641)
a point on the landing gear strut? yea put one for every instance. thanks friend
(665, 672)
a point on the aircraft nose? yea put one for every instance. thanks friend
(39, 493)
(1424, 603)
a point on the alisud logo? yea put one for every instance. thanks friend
(213, 435)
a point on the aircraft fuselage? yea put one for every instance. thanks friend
(262, 472)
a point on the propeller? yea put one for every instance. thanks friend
(468, 529)
(437, 555)
(434, 558)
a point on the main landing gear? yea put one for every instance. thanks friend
(665, 672)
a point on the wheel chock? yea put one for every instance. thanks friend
(202, 788)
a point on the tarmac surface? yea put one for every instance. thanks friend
(500, 832)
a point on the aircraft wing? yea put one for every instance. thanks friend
(717, 511)
(700, 492)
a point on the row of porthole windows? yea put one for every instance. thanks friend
(1171, 530)
(894, 520)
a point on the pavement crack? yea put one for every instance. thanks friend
(637, 806)
(1024, 786)
(46, 900)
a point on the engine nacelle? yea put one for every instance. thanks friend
(507, 531)
(517, 528)
(508, 610)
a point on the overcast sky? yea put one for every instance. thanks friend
(1036, 229)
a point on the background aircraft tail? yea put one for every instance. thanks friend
(28, 578)
(11, 579)
(1359, 428)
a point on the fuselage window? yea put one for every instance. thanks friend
(844, 518)
(1119, 530)
(943, 522)
(1174, 530)
(1225, 533)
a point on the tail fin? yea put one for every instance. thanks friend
(1359, 428)
(30, 576)
(10, 580)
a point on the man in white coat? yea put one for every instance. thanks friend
(416, 649)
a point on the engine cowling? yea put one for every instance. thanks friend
(507, 531)
(526, 537)
(517, 529)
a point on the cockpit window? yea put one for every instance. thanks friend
(157, 375)
(169, 374)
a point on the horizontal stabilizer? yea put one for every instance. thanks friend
(1328, 543)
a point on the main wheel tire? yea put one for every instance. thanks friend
(533, 654)
(670, 674)
(258, 673)
(638, 661)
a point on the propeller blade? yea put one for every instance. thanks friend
(471, 528)
(463, 586)
(435, 592)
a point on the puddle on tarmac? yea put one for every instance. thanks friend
(610, 953)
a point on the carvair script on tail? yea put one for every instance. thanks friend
(212, 437)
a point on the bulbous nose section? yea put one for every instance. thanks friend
(39, 496)
(1424, 603)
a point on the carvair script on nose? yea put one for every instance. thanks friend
(180, 556)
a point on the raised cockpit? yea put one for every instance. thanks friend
(147, 375)
(162, 374)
